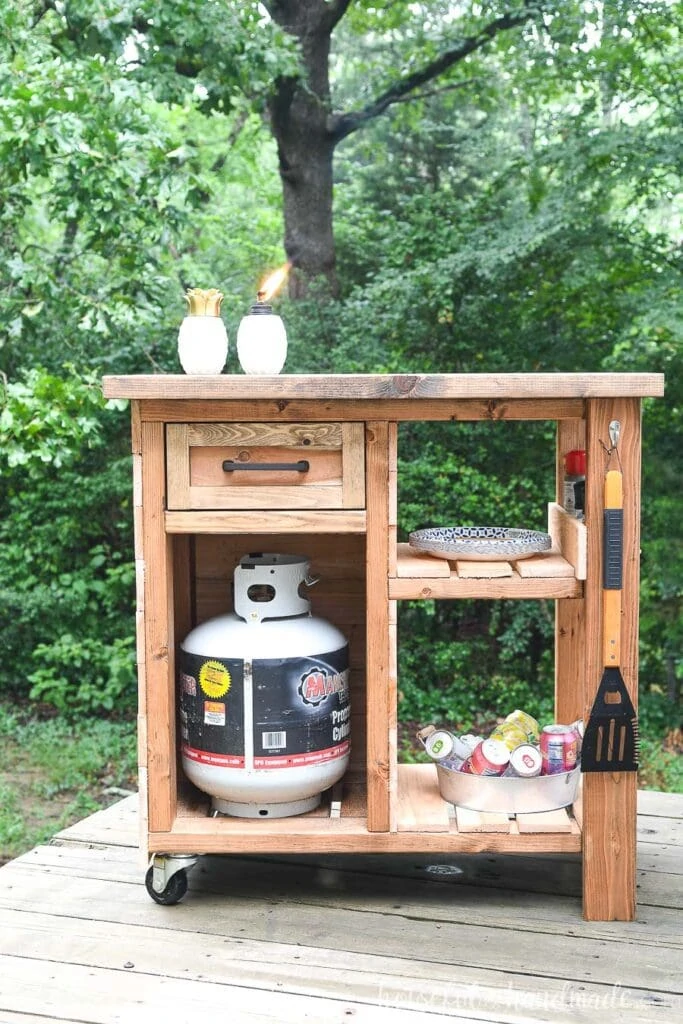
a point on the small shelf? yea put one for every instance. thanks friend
(425, 823)
(423, 576)
(422, 809)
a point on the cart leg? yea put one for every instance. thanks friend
(609, 798)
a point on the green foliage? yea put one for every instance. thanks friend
(65, 562)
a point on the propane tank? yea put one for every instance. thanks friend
(264, 696)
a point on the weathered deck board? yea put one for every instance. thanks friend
(331, 938)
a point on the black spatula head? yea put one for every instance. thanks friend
(610, 743)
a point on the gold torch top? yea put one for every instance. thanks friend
(204, 301)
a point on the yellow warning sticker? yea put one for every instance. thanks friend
(214, 713)
(214, 679)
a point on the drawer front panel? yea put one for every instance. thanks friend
(264, 465)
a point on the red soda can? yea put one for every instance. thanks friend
(490, 757)
(526, 761)
(558, 749)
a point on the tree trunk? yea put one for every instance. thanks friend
(307, 131)
(299, 113)
(305, 152)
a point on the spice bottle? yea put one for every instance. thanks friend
(575, 483)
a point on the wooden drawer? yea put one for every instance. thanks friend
(310, 465)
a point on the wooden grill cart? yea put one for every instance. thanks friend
(193, 522)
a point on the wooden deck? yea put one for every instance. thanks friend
(366, 938)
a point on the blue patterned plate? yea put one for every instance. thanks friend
(479, 543)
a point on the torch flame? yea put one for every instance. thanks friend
(273, 283)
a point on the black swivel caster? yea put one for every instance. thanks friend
(174, 891)
(166, 878)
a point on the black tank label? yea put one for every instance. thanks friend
(212, 709)
(300, 709)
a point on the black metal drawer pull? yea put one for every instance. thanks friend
(230, 466)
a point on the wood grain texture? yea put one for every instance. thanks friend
(285, 410)
(196, 452)
(512, 587)
(550, 564)
(412, 564)
(433, 933)
(178, 466)
(420, 807)
(353, 465)
(401, 386)
(569, 537)
(482, 570)
(609, 799)
(570, 616)
(544, 821)
(481, 821)
(159, 652)
(381, 694)
(308, 436)
(280, 521)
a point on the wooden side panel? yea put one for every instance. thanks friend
(381, 695)
(159, 655)
(353, 472)
(140, 645)
(609, 799)
(393, 498)
(178, 465)
(568, 536)
(570, 616)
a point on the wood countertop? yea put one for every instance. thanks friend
(408, 386)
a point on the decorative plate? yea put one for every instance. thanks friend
(479, 543)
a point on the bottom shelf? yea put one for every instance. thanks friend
(424, 823)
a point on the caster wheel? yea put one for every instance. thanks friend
(174, 891)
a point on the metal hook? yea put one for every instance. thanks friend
(614, 431)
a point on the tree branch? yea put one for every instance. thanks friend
(334, 12)
(341, 125)
(426, 93)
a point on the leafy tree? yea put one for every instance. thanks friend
(65, 562)
(288, 63)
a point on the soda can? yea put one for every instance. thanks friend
(461, 748)
(526, 761)
(452, 763)
(558, 749)
(491, 757)
(527, 723)
(509, 733)
(579, 728)
(439, 744)
(469, 742)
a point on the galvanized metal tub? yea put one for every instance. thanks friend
(508, 795)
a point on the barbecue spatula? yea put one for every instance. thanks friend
(610, 743)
